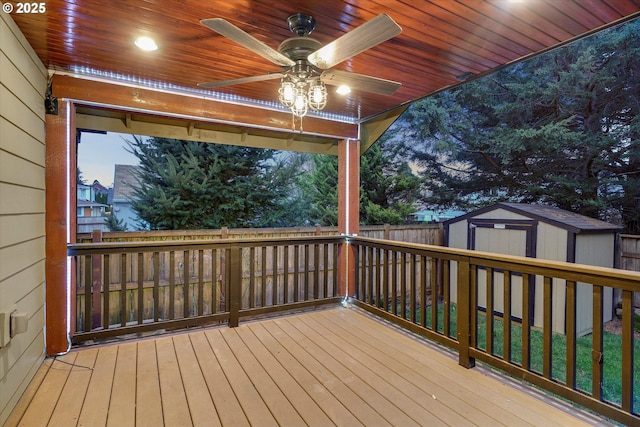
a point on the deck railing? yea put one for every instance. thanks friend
(482, 305)
(496, 309)
(133, 287)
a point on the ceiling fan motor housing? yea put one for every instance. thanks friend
(301, 24)
(298, 48)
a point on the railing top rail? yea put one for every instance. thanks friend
(175, 245)
(623, 279)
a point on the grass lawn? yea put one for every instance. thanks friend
(612, 365)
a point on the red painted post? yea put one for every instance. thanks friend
(60, 182)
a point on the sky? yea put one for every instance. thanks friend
(97, 155)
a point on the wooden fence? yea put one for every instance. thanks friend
(629, 257)
(427, 234)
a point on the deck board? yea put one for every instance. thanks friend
(75, 390)
(307, 409)
(148, 397)
(96, 402)
(483, 392)
(335, 409)
(328, 367)
(175, 408)
(122, 406)
(200, 403)
(248, 396)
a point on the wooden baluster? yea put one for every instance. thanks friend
(316, 271)
(413, 287)
(96, 237)
(296, 273)
(627, 351)
(186, 276)
(215, 292)
(434, 296)
(252, 277)
(88, 279)
(571, 334)
(306, 273)
(446, 297)
(172, 284)
(200, 282)
(106, 281)
(156, 286)
(274, 276)
(140, 307)
(597, 351)
(394, 283)
(547, 330)
(506, 316)
(263, 282)
(285, 272)
(489, 311)
(527, 287)
(123, 290)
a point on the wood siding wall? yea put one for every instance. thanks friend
(23, 80)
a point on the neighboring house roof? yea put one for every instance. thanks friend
(549, 214)
(99, 188)
(124, 181)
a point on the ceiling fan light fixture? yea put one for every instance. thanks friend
(146, 43)
(317, 95)
(300, 104)
(287, 92)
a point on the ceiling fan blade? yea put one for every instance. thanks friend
(366, 36)
(210, 85)
(234, 33)
(360, 82)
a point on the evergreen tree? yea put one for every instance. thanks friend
(561, 128)
(388, 188)
(321, 188)
(192, 185)
(79, 178)
(114, 223)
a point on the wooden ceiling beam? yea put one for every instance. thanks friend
(191, 132)
(153, 102)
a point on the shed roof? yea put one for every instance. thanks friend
(559, 217)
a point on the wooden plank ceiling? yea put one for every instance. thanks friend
(440, 41)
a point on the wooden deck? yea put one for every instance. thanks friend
(330, 367)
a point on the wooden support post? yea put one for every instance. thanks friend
(464, 313)
(60, 181)
(234, 283)
(348, 211)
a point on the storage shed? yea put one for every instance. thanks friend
(540, 232)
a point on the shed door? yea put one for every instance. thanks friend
(517, 239)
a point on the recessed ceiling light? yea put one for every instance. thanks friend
(343, 90)
(146, 43)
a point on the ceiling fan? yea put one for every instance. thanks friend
(307, 65)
